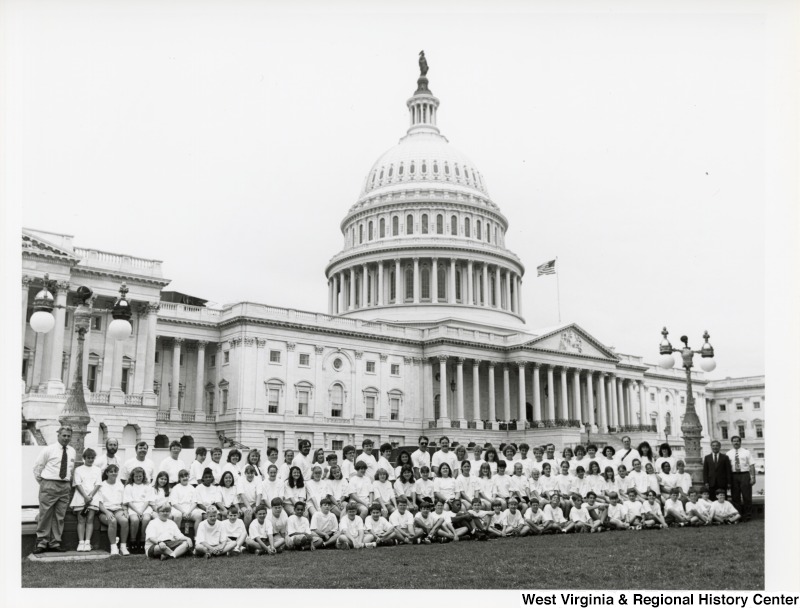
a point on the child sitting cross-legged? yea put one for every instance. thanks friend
(209, 539)
(163, 538)
(723, 512)
(324, 524)
(299, 529)
(233, 529)
(260, 538)
(377, 530)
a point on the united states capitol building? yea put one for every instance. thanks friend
(423, 333)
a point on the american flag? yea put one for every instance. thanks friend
(546, 268)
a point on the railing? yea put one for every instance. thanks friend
(37, 393)
(471, 424)
(187, 416)
(162, 416)
(431, 424)
(635, 428)
(455, 424)
(99, 398)
(751, 381)
(558, 423)
(134, 399)
(106, 258)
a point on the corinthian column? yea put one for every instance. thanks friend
(199, 378)
(176, 375)
(55, 384)
(150, 357)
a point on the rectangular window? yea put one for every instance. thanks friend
(304, 360)
(394, 407)
(226, 357)
(337, 444)
(274, 356)
(723, 407)
(158, 356)
(224, 400)
(756, 405)
(210, 402)
(97, 323)
(370, 414)
(395, 369)
(212, 361)
(724, 430)
(302, 403)
(683, 400)
(652, 397)
(272, 402)
(739, 407)
(759, 432)
(124, 381)
(91, 381)
(759, 454)
(370, 367)
(181, 359)
(272, 442)
(741, 431)
(66, 319)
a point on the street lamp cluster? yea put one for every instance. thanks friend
(75, 412)
(690, 427)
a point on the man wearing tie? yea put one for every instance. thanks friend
(716, 469)
(743, 477)
(53, 472)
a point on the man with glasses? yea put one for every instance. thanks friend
(421, 457)
(743, 477)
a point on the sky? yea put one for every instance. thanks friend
(230, 139)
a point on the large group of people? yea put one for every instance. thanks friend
(311, 501)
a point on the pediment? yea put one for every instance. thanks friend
(33, 243)
(571, 340)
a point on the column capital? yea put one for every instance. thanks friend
(416, 260)
(418, 360)
(408, 360)
(521, 364)
(442, 358)
(61, 286)
(27, 281)
(190, 347)
(492, 364)
(383, 357)
(260, 342)
(177, 342)
(434, 259)
(153, 307)
(476, 362)
(536, 364)
(358, 354)
(249, 341)
(460, 360)
(319, 349)
(201, 344)
(396, 260)
(290, 346)
(453, 260)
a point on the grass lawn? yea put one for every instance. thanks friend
(678, 558)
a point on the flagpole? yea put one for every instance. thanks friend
(558, 293)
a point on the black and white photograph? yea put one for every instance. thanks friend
(418, 297)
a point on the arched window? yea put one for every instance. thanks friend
(668, 423)
(446, 168)
(395, 226)
(454, 225)
(161, 441)
(391, 170)
(436, 407)
(458, 286)
(425, 283)
(424, 223)
(467, 230)
(488, 232)
(337, 400)
(409, 284)
(130, 435)
(458, 173)
(392, 287)
(478, 229)
(187, 442)
(496, 242)
(373, 177)
(380, 177)
(492, 291)
(441, 283)
(400, 169)
(440, 224)
(382, 228)
(409, 224)
(370, 230)
(411, 168)
(435, 168)
(360, 233)
(424, 167)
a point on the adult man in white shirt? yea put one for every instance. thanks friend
(421, 457)
(302, 461)
(743, 477)
(53, 472)
(110, 457)
(172, 464)
(442, 455)
(141, 460)
(627, 454)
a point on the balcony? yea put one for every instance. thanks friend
(95, 258)
(134, 399)
(162, 416)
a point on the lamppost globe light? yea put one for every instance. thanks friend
(708, 364)
(120, 329)
(42, 321)
(666, 361)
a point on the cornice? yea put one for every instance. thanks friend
(132, 278)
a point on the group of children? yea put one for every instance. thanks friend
(312, 502)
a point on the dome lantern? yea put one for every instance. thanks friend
(422, 106)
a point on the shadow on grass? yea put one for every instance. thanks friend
(678, 558)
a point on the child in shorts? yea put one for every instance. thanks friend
(209, 540)
(85, 502)
(324, 524)
(233, 529)
(259, 540)
(351, 529)
(163, 538)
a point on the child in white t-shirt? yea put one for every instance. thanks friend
(423, 489)
(501, 485)
(423, 522)
(163, 538)
(279, 521)
(351, 528)
(519, 485)
(197, 467)
(207, 494)
(723, 512)
(554, 516)
(259, 540)
(698, 509)
(674, 512)
(617, 515)
(233, 529)
(383, 461)
(137, 497)
(383, 492)
(316, 490)
(514, 521)
(444, 527)
(361, 489)
(377, 530)
(271, 487)
(299, 529)
(497, 520)
(403, 522)
(184, 506)
(534, 518)
(324, 524)
(247, 489)
(633, 510)
(209, 539)
(480, 518)
(86, 480)
(651, 512)
(580, 516)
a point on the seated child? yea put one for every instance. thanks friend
(514, 521)
(497, 521)
(279, 521)
(579, 515)
(617, 515)
(184, 506)
(361, 489)
(403, 521)
(209, 540)
(723, 512)
(299, 529)
(324, 524)
(501, 485)
(260, 538)
(633, 510)
(698, 510)
(651, 512)
(351, 529)
(444, 529)
(247, 489)
(674, 512)
(423, 488)
(163, 538)
(534, 517)
(480, 518)
(554, 516)
(233, 529)
(597, 510)
(377, 529)
(519, 485)
(423, 522)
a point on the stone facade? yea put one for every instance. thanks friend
(736, 407)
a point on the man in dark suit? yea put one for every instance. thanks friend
(716, 470)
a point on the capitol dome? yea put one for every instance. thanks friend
(424, 241)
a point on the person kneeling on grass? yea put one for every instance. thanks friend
(233, 529)
(351, 529)
(209, 538)
(324, 524)
(723, 512)
(163, 538)
(260, 540)
(299, 529)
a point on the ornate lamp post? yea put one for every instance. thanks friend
(42, 320)
(690, 427)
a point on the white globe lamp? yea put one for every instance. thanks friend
(666, 361)
(42, 321)
(708, 365)
(120, 328)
